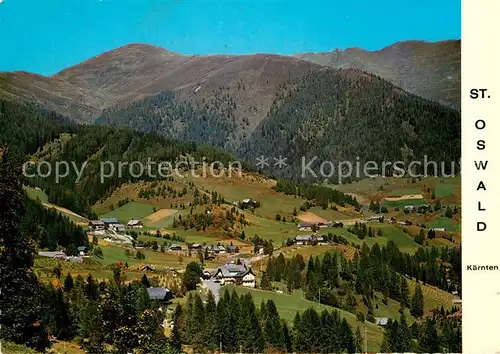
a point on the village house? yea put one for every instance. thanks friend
(96, 225)
(60, 255)
(109, 221)
(147, 268)
(305, 226)
(381, 321)
(196, 247)
(410, 208)
(175, 247)
(82, 250)
(337, 224)
(135, 224)
(245, 203)
(305, 239)
(239, 274)
(162, 295)
(232, 249)
(375, 218)
(117, 227)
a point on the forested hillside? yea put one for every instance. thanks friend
(339, 115)
(334, 115)
(25, 130)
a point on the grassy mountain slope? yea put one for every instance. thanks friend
(137, 71)
(428, 69)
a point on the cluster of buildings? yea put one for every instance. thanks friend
(62, 256)
(417, 208)
(113, 224)
(211, 250)
(308, 226)
(309, 240)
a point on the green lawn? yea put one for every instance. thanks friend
(447, 223)
(35, 193)
(389, 232)
(269, 229)
(402, 203)
(129, 211)
(288, 305)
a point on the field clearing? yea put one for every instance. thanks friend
(36, 193)
(449, 224)
(411, 190)
(268, 229)
(289, 305)
(433, 297)
(404, 242)
(131, 191)
(311, 217)
(176, 260)
(236, 188)
(160, 214)
(404, 202)
(129, 211)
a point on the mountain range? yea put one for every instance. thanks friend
(400, 102)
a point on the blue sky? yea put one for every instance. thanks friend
(47, 36)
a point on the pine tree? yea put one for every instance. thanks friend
(417, 302)
(68, 282)
(91, 330)
(145, 281)
(404, 336)
(20, 299)
(210, 320)
(175, 335)
(287, 335)
(272, 327)
(265, 284)
(405, 292)
(429, 342)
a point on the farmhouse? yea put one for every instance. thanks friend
(337, 224)
(96, 225)
(61, 255)
(109, 221)
(196, 246)
(381, 321)
(117, 227)
(305, 239)
(410, 208)
(375, 218)
(135, 224)
(239, 274)
(82, 250)
(147, 268)
(438, 229)
(305, 226)
(245, 203)
(175, 247)
(162, 295)
(232, 249)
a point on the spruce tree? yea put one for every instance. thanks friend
(273, 333)
(20, 298)
(429, 342)
(417, 302)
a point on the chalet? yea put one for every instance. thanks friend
(305, 226)
(96, 225)
(135, 224)
(381, 321)
(320, 240)
(196, 246)
(53, 254)
(109, 221)
(245, 203)
(304, 239)
(375, 218)
(175, 247)
(232, 249)
(239, 274)
(410, 208)
(219, 249)
(162, 295)
(147, 268)
(117, 227)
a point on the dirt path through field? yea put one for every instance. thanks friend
(66, 211)
(403, 197)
